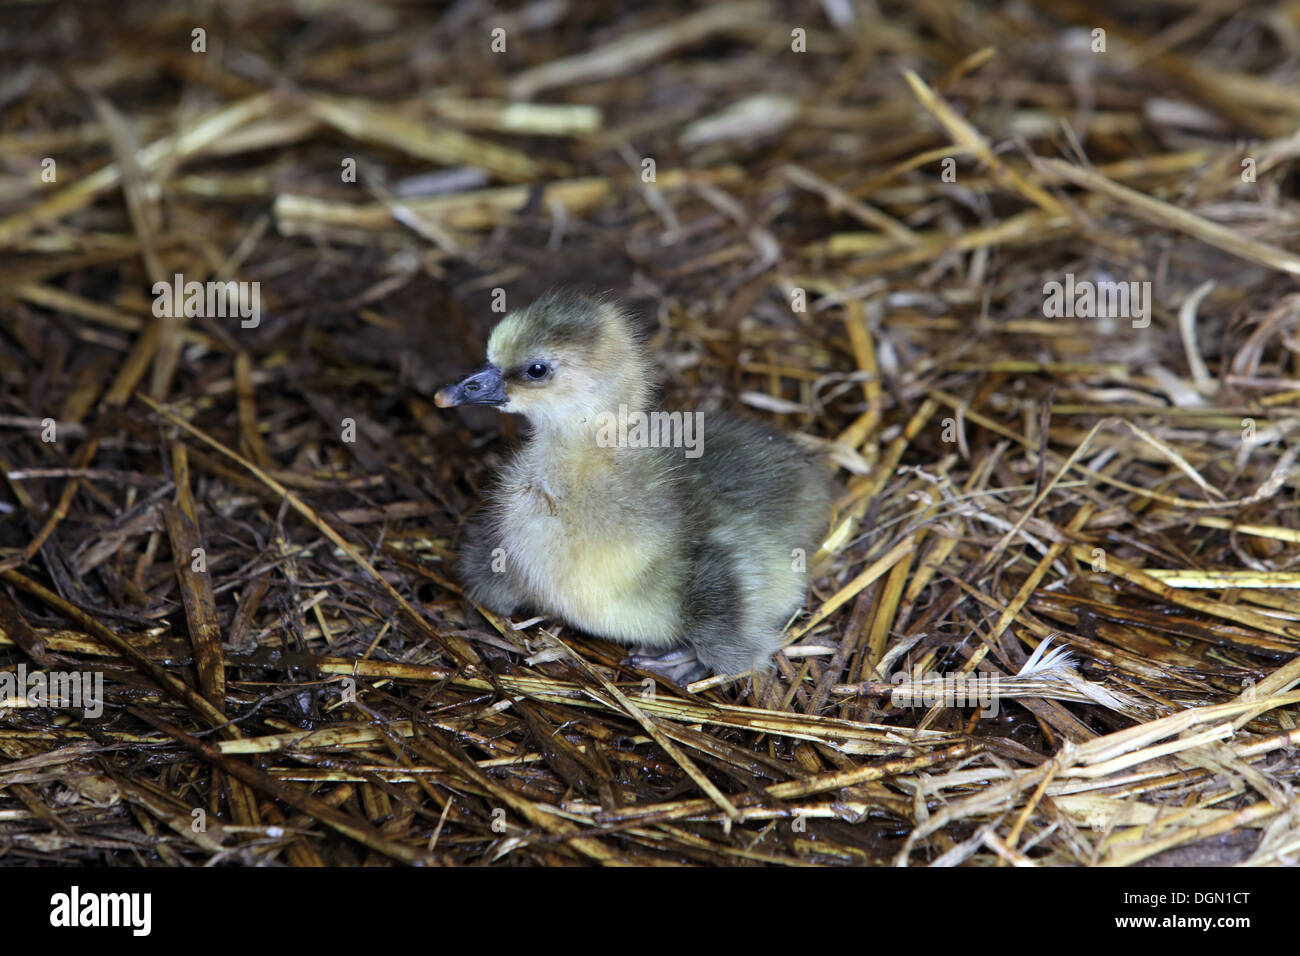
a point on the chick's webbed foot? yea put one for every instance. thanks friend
(681, 665)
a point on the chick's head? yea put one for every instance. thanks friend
(559, 362)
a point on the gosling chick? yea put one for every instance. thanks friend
(694, 556)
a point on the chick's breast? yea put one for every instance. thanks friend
(606, 559)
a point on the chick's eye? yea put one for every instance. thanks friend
(537, 370)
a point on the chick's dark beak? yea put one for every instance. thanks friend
(487, 386)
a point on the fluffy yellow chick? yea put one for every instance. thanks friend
(684, 535)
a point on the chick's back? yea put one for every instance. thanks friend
(758, 506)
(757, 475)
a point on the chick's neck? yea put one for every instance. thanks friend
(578, 442)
